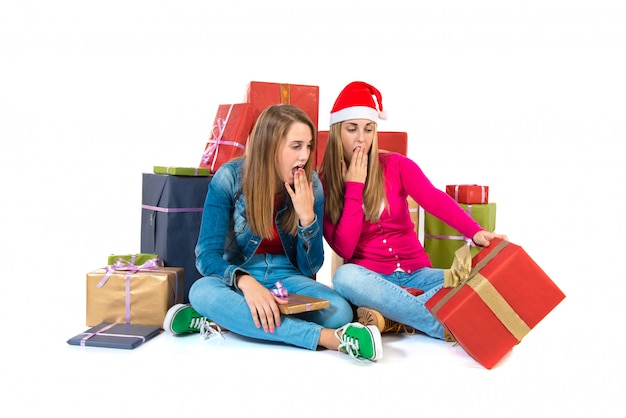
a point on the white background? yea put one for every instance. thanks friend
(526, 97)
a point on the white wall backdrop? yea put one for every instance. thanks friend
(526, 97)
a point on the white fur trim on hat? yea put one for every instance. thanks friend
(356, 112)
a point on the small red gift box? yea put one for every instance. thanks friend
(495, 299)
(262, 95)
(468, 193)
(229, 136)
(388, 141)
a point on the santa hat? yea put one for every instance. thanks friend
(358, 100)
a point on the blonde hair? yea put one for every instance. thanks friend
(261, 182)
(334, 187)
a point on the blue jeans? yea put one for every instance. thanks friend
(225, 305)
(365, 288)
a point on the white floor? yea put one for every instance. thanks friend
(560, 369)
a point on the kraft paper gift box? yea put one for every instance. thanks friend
(387, 141)
(229, 135)
(171, 214)
(491, 301)
(263, 94)
(441, 241)
(182, 171)
(302, 303)
(122, 295)
(297, 303)
(468, 193)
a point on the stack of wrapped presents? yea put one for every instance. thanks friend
(441, 240)
(491, 299)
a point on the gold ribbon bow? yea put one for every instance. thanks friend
(461, 273)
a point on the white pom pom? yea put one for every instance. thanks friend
(382, 115)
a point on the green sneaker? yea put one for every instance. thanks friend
(360, 341)
(183, 319)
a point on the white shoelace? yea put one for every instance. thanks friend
(210, 329)
(349, 344)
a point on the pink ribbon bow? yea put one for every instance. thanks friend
(279, 290)
(120, 264)
(125, 265)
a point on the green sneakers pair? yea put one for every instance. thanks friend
(183, 319)
(357, 340)
(360, 341)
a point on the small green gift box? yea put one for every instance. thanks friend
(134, 259)
(182, 171)
(441, 241)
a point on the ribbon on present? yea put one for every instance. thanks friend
(89, 335)
(216, 140)
(279, 290)
(172, 210)
(121, 265)
(461, 273)
(285, 94)
(468, 241)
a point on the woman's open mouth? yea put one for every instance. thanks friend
(295, 169)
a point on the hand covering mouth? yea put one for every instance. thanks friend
(295, 169)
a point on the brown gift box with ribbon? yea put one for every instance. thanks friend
(229, 136)
(301, 303)
(128, 294)
(297, 303)
(490, 302)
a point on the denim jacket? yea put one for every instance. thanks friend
(226, 241)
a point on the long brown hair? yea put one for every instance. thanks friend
(334, 187)
(260, 171)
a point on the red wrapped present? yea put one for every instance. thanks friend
(262, 95)
(229, 136)
(468, 193)
(489, 303)
(388, 141)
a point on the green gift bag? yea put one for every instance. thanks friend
(441, 241)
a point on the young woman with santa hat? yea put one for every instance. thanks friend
(367, 220)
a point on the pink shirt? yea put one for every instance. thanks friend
(392, 242)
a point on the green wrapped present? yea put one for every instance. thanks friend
(182, 171)
(441, 241)
(135, 259)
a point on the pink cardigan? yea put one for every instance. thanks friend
(392, 243)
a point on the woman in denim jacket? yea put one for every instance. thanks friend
(262, 225)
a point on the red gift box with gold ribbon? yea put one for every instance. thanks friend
(468, 193)
(262, 95)
(491, 301)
